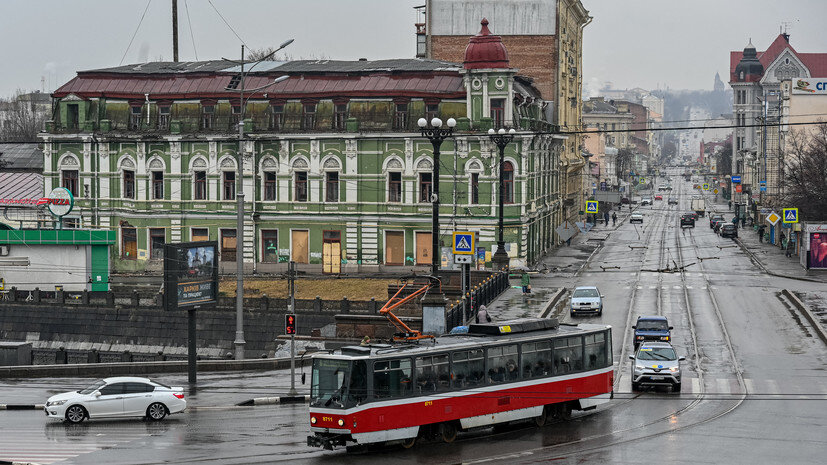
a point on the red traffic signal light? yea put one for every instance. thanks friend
(290, 324)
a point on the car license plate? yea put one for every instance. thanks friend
(657, 378)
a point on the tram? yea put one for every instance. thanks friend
(432, 388)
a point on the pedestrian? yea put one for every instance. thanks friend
(730, 204)
(614, 218)
(743, 221)
(525, 281)
(761, 233)
(482, 315)
(790, 246)
(783, 240)
(568, 242)
(606, 218)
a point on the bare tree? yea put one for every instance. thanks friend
(265, 54)
(21, 118)
(805, 172)
(724, 163)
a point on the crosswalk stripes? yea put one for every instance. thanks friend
(58, 442)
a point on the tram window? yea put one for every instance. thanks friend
(595, 351)
(391, 378)
(358, 390)
(502, 364)
(328, 382)
(536, 359)
(432, 374)
(468, 368)
(568, 355)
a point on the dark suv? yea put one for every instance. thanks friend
(687, 219)
(652, 328)
(729, 230)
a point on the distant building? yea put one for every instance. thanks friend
(21, 177)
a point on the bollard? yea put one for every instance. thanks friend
(93, 356)
(136, 298)
(60, 297)
(317, 304)
(374, 307)
(264, 303)
(84, 298)
(36, 295)
(13, 294)
(345, 305)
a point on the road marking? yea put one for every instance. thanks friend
(653, 287)
(677, 287)
(689, 287)
(750, 385)
(696, 385)
(640, 287)
(723, 386)
(773, 387)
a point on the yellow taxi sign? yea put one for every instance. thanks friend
(505, 329)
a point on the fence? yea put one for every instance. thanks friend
(465, 308)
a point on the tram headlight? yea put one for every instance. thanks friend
(341, 422)
(312, 420)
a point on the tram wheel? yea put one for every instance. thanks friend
(565, 411)
(541, 419)
(448, 432)
(409, 442)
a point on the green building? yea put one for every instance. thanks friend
(335, 172)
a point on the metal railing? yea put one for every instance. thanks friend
(465, 309)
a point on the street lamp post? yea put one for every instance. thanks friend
(586, 172)
(239, 342)
(501, 139)
(436, 134)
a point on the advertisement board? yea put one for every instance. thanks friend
(190, 274)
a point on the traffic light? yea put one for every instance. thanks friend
(290, 323)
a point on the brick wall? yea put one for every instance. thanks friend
(534, 56)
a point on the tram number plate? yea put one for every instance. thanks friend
(657, 378)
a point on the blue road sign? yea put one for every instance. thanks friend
(736, 179)
(591, 206)
(463, 243)
(790, 215)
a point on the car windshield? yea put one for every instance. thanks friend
(586, 293)
(93, 387)
(652, 325)
(657, 353)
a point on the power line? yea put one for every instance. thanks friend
(225, 22)
(135, 33)
(187, 9)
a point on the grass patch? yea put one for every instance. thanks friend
(309, 288)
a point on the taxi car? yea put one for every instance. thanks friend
(656, 363)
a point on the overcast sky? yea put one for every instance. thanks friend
(631, 43)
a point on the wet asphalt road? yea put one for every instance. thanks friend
(754, 389)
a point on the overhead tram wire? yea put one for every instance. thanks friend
(228, 24)
(187, 9)
(135, 33)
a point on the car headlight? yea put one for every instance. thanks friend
(640, 367)
(664, 338)
(675, 369)
(640, 338)
(57, 402)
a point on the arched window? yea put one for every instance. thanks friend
(508, 182)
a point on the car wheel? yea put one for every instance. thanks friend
(676, 387)
(156, 411)
(76, 414)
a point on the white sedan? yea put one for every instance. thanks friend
(117, 397)
(636, 218)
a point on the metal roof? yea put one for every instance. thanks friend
(21, 157)
(21, 185)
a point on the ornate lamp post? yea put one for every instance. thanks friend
(502, 139)
(436, 134)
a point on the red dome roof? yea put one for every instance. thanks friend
(485, 51)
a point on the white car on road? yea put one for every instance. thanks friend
(117, 397)
(636, 218)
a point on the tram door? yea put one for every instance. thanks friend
(332, 252)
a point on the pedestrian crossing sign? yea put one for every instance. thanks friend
(706, 186)
(463, 243)
(591, 206)
(790, 215)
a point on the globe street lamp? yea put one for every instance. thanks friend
(501, 138)
(436, 134)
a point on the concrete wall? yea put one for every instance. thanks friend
(48, 266)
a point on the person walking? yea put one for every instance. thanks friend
(614, 218)
(606, 218)
(783, 240)
(482, 315)
(790, 245)
(525, 281)
(761, 234)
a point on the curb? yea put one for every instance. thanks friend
(21, 407)
(551, 303)
(797, 303)
(275, 400)
(763, 267)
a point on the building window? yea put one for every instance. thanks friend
(163, 117)
(128, 184)
(228, 245)
(340, 117)
(129, 243)
(300, 194)
(207, 116)
(199, 185)
(70, 181)
(134, 118)
(229, 185)
(269, 185)
(308, 116)
(431, 111)
(276, 117)
(269, 245)
(157, 238)
(332, 186)
(498, 112)
(158, 185)
(508, 182)
(72, 116)
(475, 188)
(236, 117)
(400, 120)
(200, 234)
(395, 187)
(71, 223)
(425, 187)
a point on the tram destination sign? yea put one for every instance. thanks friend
(190, 274)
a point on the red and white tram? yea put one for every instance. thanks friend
(497, 372)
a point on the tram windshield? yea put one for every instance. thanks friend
(338, 383)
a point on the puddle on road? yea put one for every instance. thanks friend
(522, 306)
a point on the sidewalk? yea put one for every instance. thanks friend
(770, 258)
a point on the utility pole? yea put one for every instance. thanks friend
(175, 31)
(239, 235)
(291, 308)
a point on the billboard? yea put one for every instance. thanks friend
(818, 250)
(190, 274)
